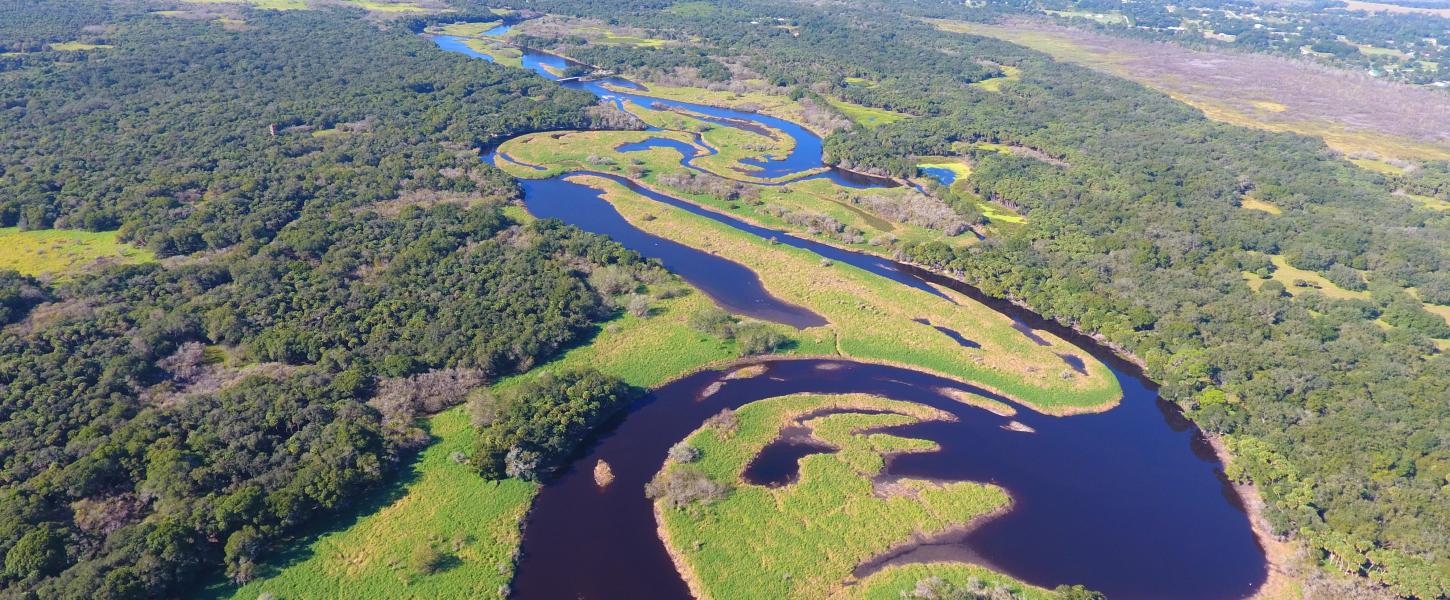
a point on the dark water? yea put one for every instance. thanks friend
(1130, 502)
(1126, 502)
(731, 285)
(778, 463)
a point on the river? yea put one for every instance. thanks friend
(1131, 502)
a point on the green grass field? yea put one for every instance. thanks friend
(466, 29)
(440, 503)
(994, 84)
(503, 54)
(997, 213)
(63, 251)
(391, 7)
(804, 539)
(1377, 165)
(1429, 202)
(866, 115)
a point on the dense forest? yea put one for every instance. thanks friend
(1335, 407)
(338, 263)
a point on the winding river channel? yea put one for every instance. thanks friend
(1131, 502)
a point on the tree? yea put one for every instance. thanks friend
(39, 553)
(427, 560)
(684, 453)
(240, 552)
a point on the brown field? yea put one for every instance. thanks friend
(1350, 111)
(1376, 7)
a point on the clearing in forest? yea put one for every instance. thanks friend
(994, 84)
(1252, 203)
(867, 116)
(1298, 281)
(63, 251)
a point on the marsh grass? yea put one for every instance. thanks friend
(1250, 91)
(894, 583)
(804, 539)
(262, 4)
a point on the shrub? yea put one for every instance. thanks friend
(427, 560)
(682, 486)
(713, 321)
(613, 280)
(684, 453)
(1345, 277)
(724, 421)
(1273, 288)
(638, 305)
(758, 338)
(40, 552)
